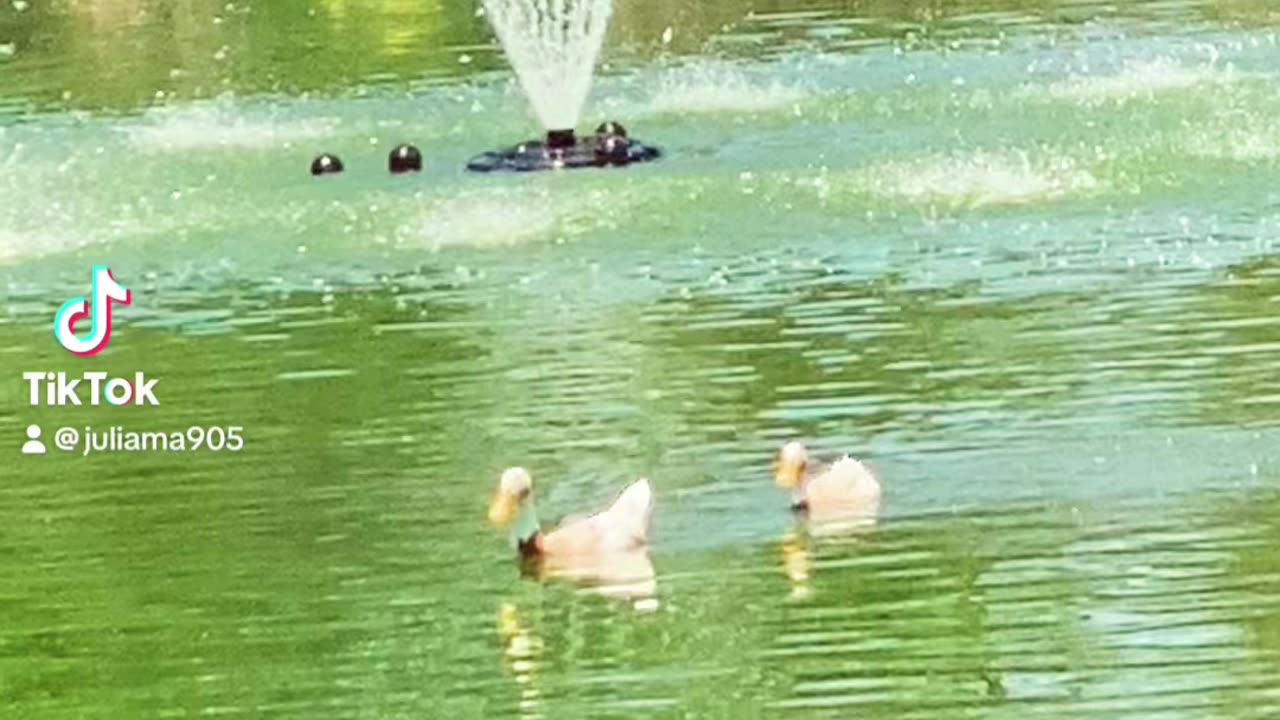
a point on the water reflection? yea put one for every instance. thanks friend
(625, 575)
(888, 623)
(522, 654)
(145, 53)
(126, 54)
(797, 564)
(809, 536)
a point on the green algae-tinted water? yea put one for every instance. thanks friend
(1022, 257)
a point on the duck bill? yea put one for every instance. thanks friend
(502, 508)
(787, 474)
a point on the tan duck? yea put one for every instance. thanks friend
(844, 491)
(622, 528)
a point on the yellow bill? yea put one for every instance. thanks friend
(502, 508)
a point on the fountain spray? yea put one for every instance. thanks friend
(553, 46)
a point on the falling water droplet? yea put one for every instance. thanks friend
(668, 34)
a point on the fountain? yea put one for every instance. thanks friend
(553, 46)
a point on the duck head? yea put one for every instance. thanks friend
(790, 466)
(514, 487)
(512, 505)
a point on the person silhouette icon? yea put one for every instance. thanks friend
(33, 446)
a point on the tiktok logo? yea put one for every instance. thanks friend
(105, 292)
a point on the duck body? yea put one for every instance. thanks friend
(845, 489)
(607, 552)
(623, 527)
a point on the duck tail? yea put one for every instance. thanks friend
(633, 508)
(857, 473)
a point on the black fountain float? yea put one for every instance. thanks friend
(562, 149)
(404, 159)
(552, 46)
(326, 164)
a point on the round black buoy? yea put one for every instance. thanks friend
(326, 164)
(403, 159)
(611, 128)
(613, 150)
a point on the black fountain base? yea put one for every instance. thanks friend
(609, 147)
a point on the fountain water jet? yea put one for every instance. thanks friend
(553, 46)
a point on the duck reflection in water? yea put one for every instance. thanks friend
(522, 654)
(606, 553)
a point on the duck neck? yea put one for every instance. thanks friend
(524, 529)
(800, 493)
(800, 496)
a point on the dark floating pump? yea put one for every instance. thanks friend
(404, 159)
(608, 147)
(326, 164)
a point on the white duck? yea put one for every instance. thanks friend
(623, 527)
(844, 491)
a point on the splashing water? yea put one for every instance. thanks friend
(553, 45)
(718, 87)
(982, 179)
(1139, 81)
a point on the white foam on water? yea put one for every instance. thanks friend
(981, 179)
(41, 213)
(719, 87)
(1253, 142)
(1143, 80)
(503, 217)
(15, 246)
(18, 245)
(221, 125)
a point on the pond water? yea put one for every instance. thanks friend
(1020, 256)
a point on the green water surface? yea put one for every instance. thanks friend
(1021, 256)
